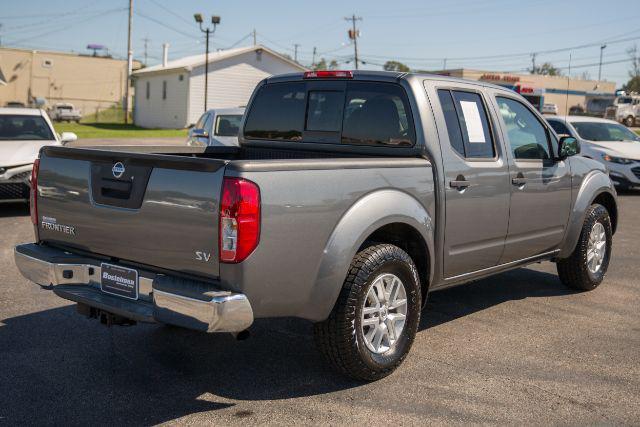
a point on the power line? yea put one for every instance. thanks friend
(510, 55)
(66, 26)
(166, 9)
(165, 25)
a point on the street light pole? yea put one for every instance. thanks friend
(215, 20)
(206, 70)
(600, 65)
(129, 65)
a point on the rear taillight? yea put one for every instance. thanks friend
(33, 195)
(239, 219)
(328, 74)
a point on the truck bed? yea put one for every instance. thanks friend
(165, 208)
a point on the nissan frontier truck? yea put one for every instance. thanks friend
(351, 196)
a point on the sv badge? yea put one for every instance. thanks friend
(203, 256)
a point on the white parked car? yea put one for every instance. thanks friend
(549, 109)
(217, 127)
(606, 141)
(23, 131)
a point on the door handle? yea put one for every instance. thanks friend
(519, 180)
(459, 184)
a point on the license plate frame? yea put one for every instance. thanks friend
(116, 280)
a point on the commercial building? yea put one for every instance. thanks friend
(171, 94)
(88, 82)
(578, 96)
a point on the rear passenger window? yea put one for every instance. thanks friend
(377, 114)
(467, 124)
(277, 112)
(451, 118)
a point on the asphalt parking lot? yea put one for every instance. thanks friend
(518, 348)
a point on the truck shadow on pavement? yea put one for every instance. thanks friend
(14, 209)
(453, 303)
(60, 368)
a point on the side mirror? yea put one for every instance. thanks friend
(199, 133)
(67, 137)
(568, 146)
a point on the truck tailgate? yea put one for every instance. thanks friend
(154, 209)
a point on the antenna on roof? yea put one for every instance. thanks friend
(566, 102)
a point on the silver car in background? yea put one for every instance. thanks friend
(217, 127)
(606, 141)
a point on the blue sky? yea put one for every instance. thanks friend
(484, 34)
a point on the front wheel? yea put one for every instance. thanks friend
(586, 267)
(374, 322)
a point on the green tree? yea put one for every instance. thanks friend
(322, 65)
(396, 66)
(633, 85)
(546, 69)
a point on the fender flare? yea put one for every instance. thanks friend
(367, 215)
(593, 185)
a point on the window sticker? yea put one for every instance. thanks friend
(473, 122)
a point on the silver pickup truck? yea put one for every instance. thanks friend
(352, 195)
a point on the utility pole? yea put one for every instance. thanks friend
(444, 64)
(313, 61)
(533, 63)
(215, 20)
(129, 65)
(600, 65)
(354, 34)
(254, 37)
(295, 52)
(146, 41)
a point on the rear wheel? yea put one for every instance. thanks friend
(586, 267)
(629, 121)
(374, 322)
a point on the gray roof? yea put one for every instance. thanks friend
(189, 62)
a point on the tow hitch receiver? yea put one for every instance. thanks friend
(106, 318)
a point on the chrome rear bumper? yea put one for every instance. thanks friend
(187, 303)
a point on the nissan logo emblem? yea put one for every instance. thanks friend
(117, 170)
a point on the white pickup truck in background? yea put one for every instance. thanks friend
(65, 112)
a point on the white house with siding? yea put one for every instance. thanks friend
(171, 94)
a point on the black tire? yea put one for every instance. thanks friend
(340, 338)
(573, 271)
(629, 121)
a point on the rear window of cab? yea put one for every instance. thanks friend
(362, 113)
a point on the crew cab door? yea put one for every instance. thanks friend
(476, 181)
(540, 184)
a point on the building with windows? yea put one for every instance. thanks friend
(171, 94)
(569, 95)
(90, 83)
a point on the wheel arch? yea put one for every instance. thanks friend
(407, 238)
(596, 188)
(375, 216)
